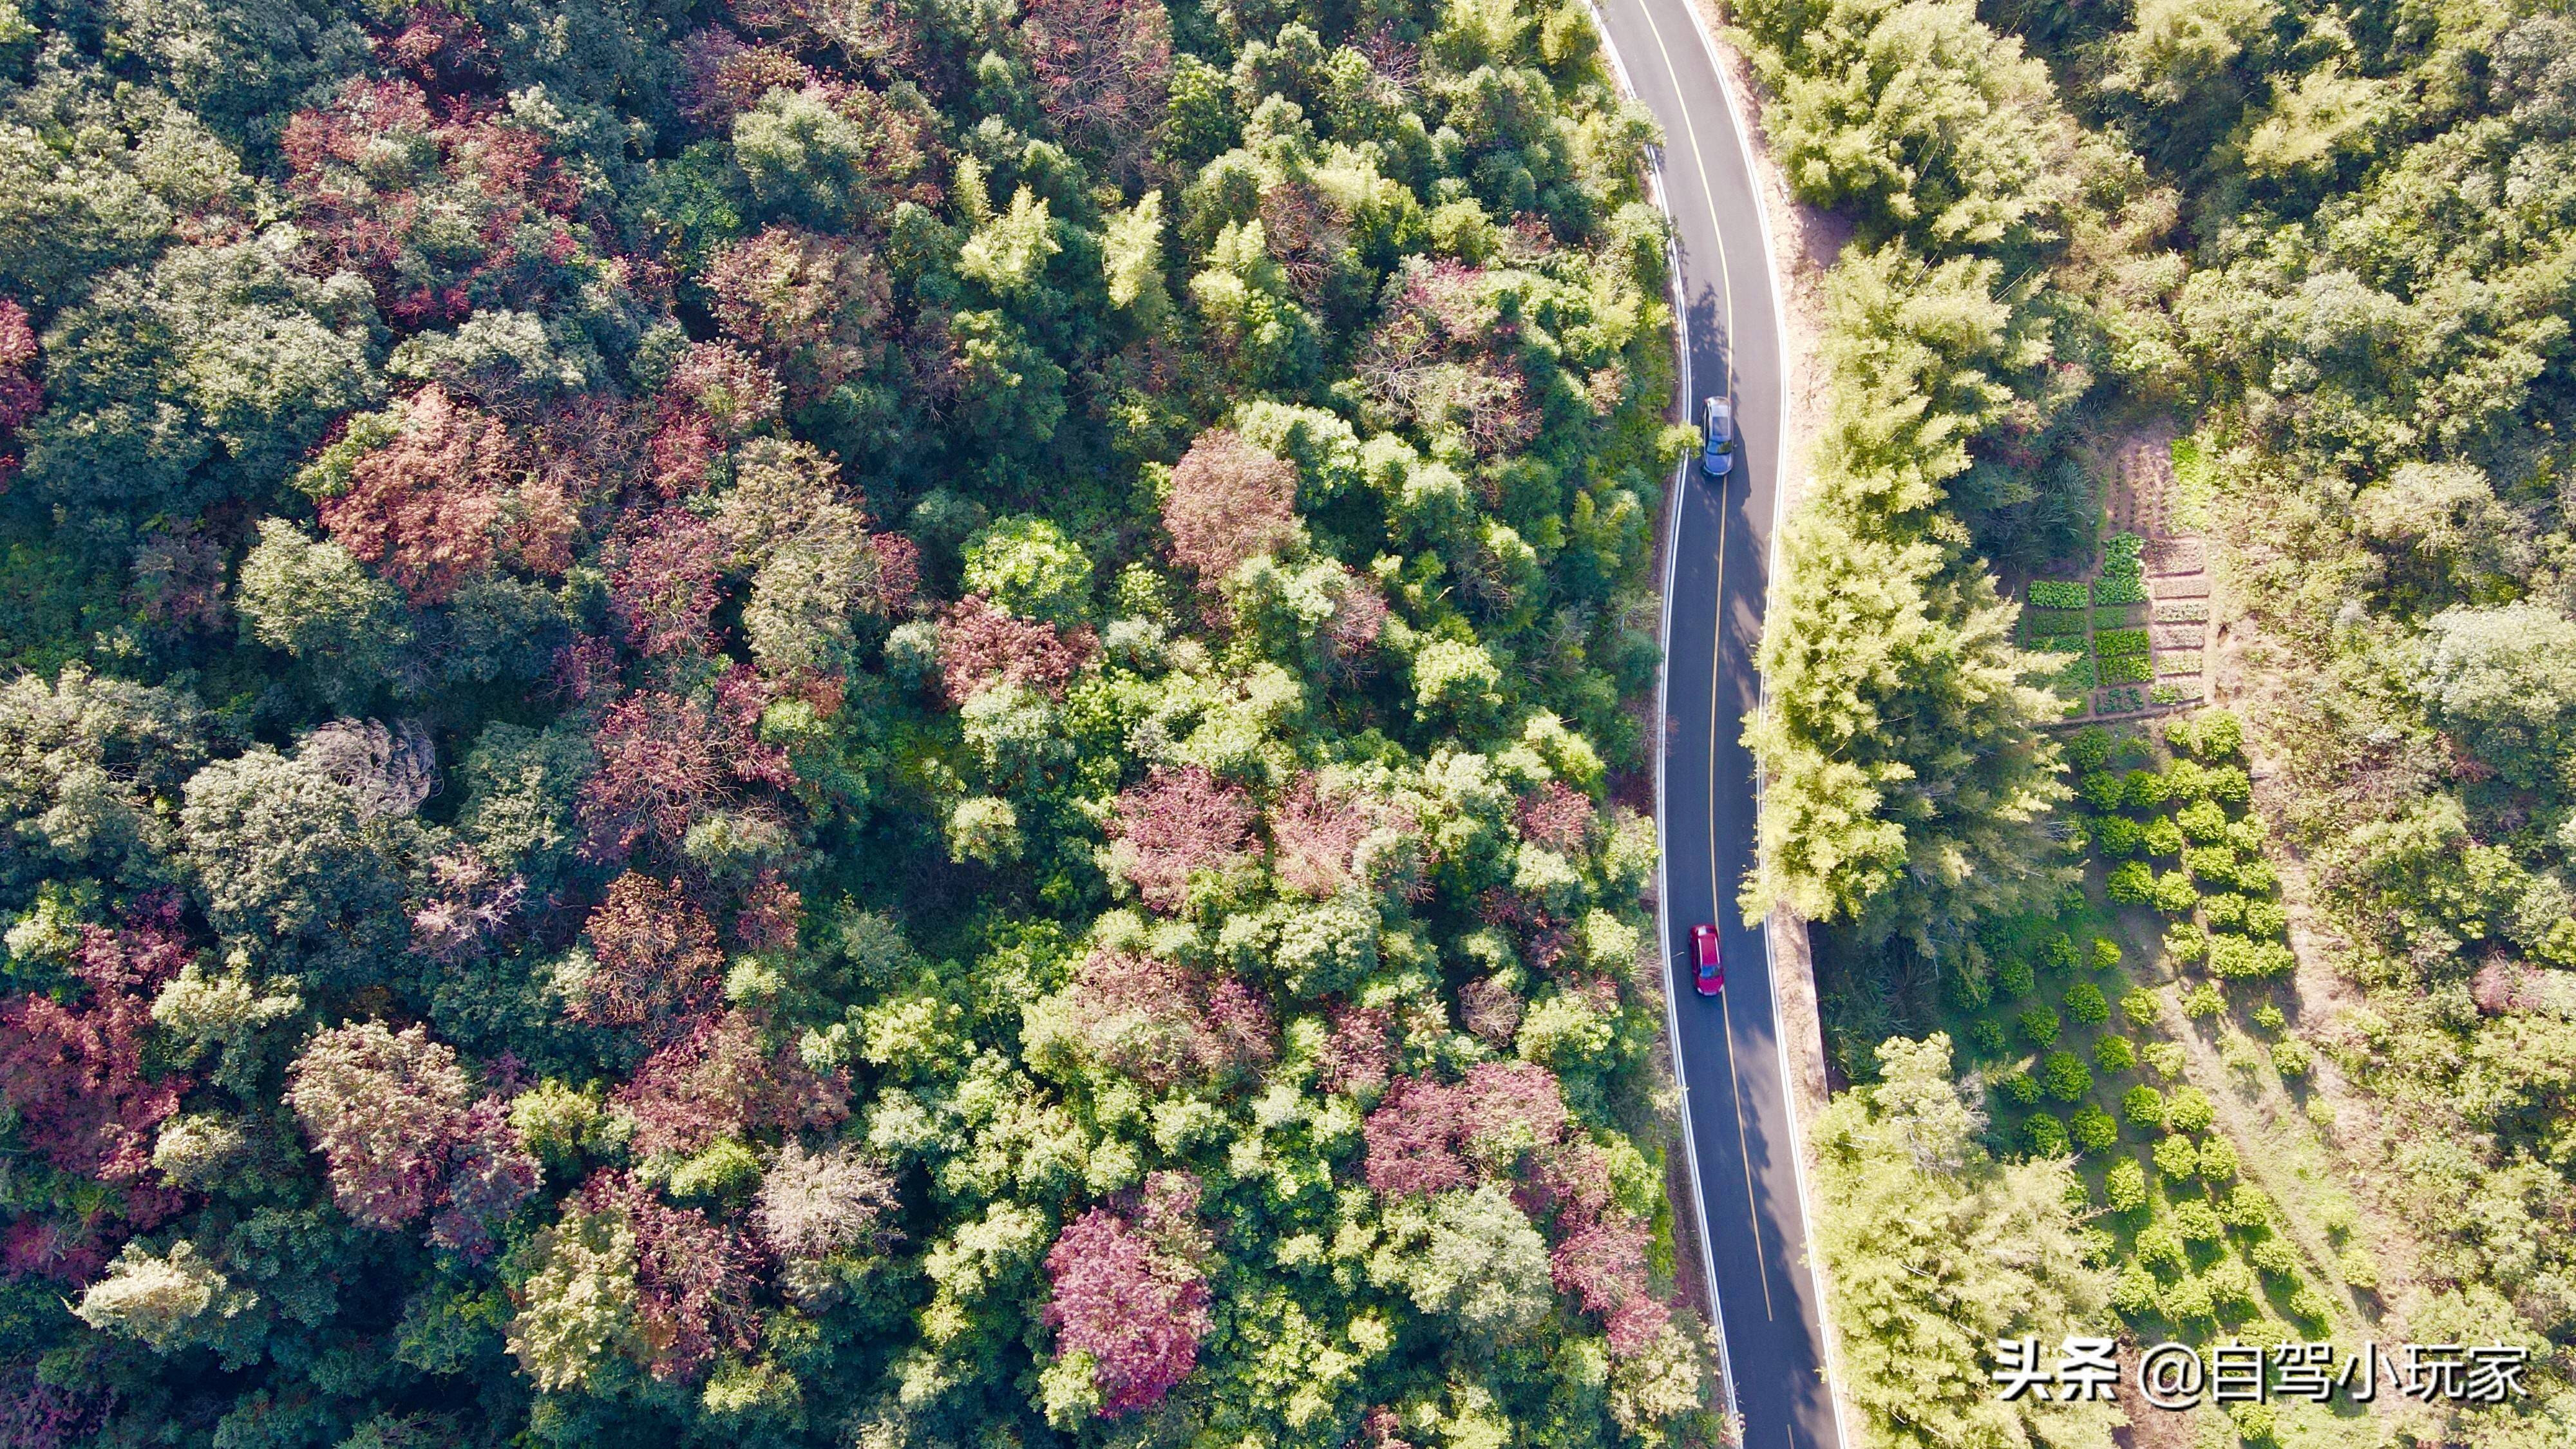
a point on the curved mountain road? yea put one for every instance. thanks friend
(1728, 1052)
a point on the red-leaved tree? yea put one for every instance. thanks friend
(656, 958)
(661, 765)
(74, 1074)
(1160, 1022)
(981, 646)
(1230, 500)
(1557, 816)
(1173, 823)
(718, 1080)
(694, 1277)
(662, 583)
(21, 397)
(425, 507)
(383, 1107)
(1137, 1309)
(1102, 68)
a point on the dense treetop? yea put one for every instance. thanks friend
(819, 722)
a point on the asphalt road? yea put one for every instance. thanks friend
(1728, 1050)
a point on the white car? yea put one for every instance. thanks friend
(1716, 459)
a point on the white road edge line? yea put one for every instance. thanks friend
(1663, 717)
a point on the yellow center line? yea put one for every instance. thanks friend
(1726, 310)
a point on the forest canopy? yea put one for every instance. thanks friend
(897, 722)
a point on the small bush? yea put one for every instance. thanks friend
(2059, 594)
(2189, 1110)
(2065, 1076)
(2085, 1002)
(2224, 911)
(2142, 790)
(2235, 958)
(2230, 785)
(2088, 749)
(2133, 1293)
(2358, 1268)
(2018, 1088)
(2292, 1057)
(2197, 1221)
(2232, 1285)
(2120, 641)
(2106, 953)
(2015, 978)
(2276, 1258)
(2093, 1128)
(2127, 669)
(2059, 954)
(2159, 1245)
(2124, 1187)
(2131, 884)
(2213, 734)
(2202, 821)
(2203, 1001)
(2161, 837)
(1987, 1036)
(2174, 894)
(2039, 1025)
(2046, 1136)
(2270, 1017)
(2246, 1208)
(2143, 1105)
(2188, 1301)
(2100, 789)
(2142, 1007)
(2186, 942)
(2115, 836)
(2217, 1160)
(2113, 1054)
(2176, 1158)
(2310, 1306)
(2267, 918)
(2166, 1059)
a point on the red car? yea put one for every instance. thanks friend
(1712, 972)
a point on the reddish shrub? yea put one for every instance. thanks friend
(1139, 1313)
(1230, 501)
(1176, 822)
(445, 52)
(422, 508)
(661, 763)
(383, 1108)
(1557, 816)
(662, 582)
(694, 1277)
(718, 1081)
(1413, 1139)
(725, 385)
(74, 1074)
(21, 397)
(898, 572)
(1102, 68)
(727, 77)
(656, 957)
(815, 306)
(1159, 1022)
(474, 902)
(489, 1175)
(1314, 830)
(1360, 1052)
(981, 646)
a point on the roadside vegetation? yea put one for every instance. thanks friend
(821, 724)
(2330, 250)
